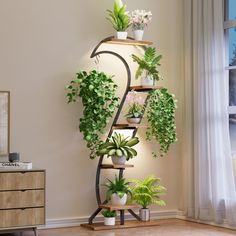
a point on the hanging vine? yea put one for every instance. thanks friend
(98, 93)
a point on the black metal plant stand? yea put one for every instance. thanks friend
(101, 166)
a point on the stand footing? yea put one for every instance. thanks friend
(127, 224)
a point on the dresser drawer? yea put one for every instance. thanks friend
(21, 180)
(21, 217)
(21, 199)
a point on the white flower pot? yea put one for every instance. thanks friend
(147, 81)
(116, 200)
(134, 120)
(116, 160)
(144, 214)
(109, 220)
(121, 35)
(138, 35)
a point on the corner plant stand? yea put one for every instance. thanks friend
(116, 126)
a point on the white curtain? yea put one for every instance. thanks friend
(210, 193)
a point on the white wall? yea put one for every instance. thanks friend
(43, 43)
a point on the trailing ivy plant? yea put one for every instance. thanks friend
(161, 118)
(98, 93)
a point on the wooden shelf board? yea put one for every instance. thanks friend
(123, 126)
(129, 42)
(129, 126)
(140, 88)
(128, 224)
(111, 166)
(117, 207)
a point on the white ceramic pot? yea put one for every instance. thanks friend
(121, 35)
(116, 200)
(134, 120)
(147, 81)
(144, 214)
(138, 35)
(109, 220)
(116, 160)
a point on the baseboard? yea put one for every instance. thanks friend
(71, 222)
(224, 225)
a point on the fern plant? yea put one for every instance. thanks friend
(118, 17)
(148, 64)
(119, 186)
(147, 191)
(161, 118)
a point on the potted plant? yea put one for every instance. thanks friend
(109, 217)
(119, 148)
(148, 67)
(117, 191)
(146, 192)
(98, 93)
(136, 105)
(139, 20)
(119, 19)
(161, 119)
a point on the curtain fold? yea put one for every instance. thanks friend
(210, 193)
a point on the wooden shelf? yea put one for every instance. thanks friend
(129, 42)
(144, 89)
(117, 208)
(111, 166)
(129, 126)
(128, 224)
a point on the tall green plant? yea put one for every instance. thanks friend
(161, 118)
(118, 17)
(147, 191)
(98, 93)
(148, 64)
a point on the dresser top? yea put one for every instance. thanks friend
(7, 170)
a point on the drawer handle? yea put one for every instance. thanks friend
(23, 190)
(23, 209)
(22, 172)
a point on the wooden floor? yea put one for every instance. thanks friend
(165, 228)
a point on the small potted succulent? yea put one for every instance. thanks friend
(119, 148)
(148, 67)
(109, 217)
(117, 191)
(139, 20)
(119, 19)
(135, 107)
(146, 192)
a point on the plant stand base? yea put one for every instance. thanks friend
(128, 224)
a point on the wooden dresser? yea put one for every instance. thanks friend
(22, 199)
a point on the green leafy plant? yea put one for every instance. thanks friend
(161, 118)
(97, 91)
(147, 191)
(109, 214)
(119, 145)
(118, 17)
(135, 111)
(148, 64)
(119, 186)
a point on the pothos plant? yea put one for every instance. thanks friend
(161, 118)
(98, 93)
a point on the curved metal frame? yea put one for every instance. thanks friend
(97, 185)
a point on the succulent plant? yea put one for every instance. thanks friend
(119, 145)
